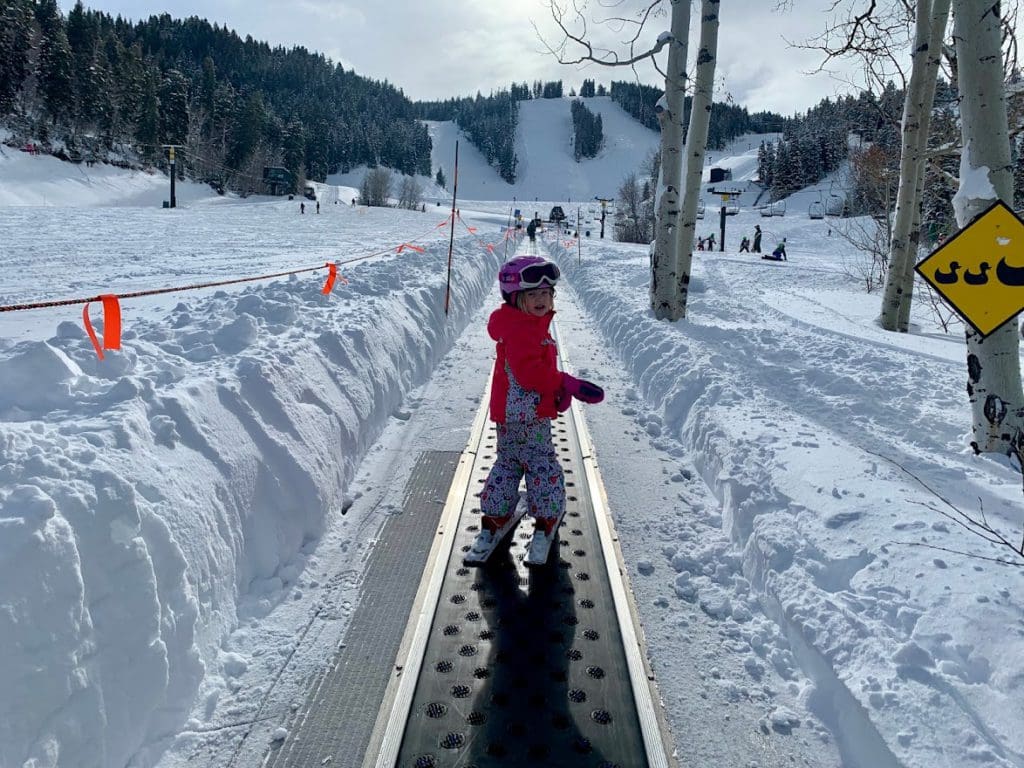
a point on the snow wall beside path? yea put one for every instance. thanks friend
(152, 501)
(850, 610)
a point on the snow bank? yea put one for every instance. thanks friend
(150, 503)
(46, 180)
(790, 422)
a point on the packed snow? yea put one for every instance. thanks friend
(780, 471)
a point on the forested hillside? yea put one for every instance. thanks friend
(727, 120)
(96, 85)
(487, 121)
(866, 130)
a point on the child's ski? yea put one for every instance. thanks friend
(540, 546)
(487, 541)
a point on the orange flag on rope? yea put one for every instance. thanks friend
(111, 324)
(332, 275)
(411, 247)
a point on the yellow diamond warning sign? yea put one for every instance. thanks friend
(980, 270)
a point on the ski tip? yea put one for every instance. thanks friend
(536, 563)
(471, 559)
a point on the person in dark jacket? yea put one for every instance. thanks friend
(757, 239)
(780, 251)
(779, 254)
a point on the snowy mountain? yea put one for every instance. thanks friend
(185, 525)
(547, 171)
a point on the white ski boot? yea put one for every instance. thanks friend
(544, 534)
(493, 531)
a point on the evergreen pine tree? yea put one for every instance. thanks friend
(56, 80)
(147, 123)
(83, 39)
(294, 146)
(15, 41)
(173, 108)
(246, 129)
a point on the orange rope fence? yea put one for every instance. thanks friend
(110, 302)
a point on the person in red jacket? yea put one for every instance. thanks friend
(527, 392)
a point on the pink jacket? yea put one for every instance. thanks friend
(525, 344)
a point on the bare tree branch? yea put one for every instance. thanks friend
(575, 34)
(877, 35)
(998, 560)
(981, 529)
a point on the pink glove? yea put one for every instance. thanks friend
(562, 400)
(581, 389)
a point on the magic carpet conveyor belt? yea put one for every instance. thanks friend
(501, 665)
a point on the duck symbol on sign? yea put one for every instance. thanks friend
(1008, 275)
(979, 278)
(947, 277)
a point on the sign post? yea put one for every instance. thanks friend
(604, 208)
(170, 158)
(980, 270)
(721, 223)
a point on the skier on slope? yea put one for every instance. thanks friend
(779, 254)
(527, 392)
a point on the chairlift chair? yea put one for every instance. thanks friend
(700, 209)
(779, 208)
(766, 210)
(732, 209)
(816, 210)
(835, 205)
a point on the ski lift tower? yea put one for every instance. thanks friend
(726, 195)
(604, 209)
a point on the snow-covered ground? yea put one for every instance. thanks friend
(171, 517)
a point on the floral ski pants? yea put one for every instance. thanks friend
(525, 448)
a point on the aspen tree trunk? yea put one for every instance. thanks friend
(663, 254)
(903, 320)
(696, 141)
(993, 362)
(917, 106)
(940, 18)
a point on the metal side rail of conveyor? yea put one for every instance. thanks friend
(502, 665)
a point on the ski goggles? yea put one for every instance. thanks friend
(537, 275)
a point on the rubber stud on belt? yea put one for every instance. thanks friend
(453, 740)
(601, 716)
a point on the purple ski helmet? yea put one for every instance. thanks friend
(525, 272)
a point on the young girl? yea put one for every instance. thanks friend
(527, 392)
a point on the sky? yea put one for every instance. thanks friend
(779, 470)
(447, 48)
